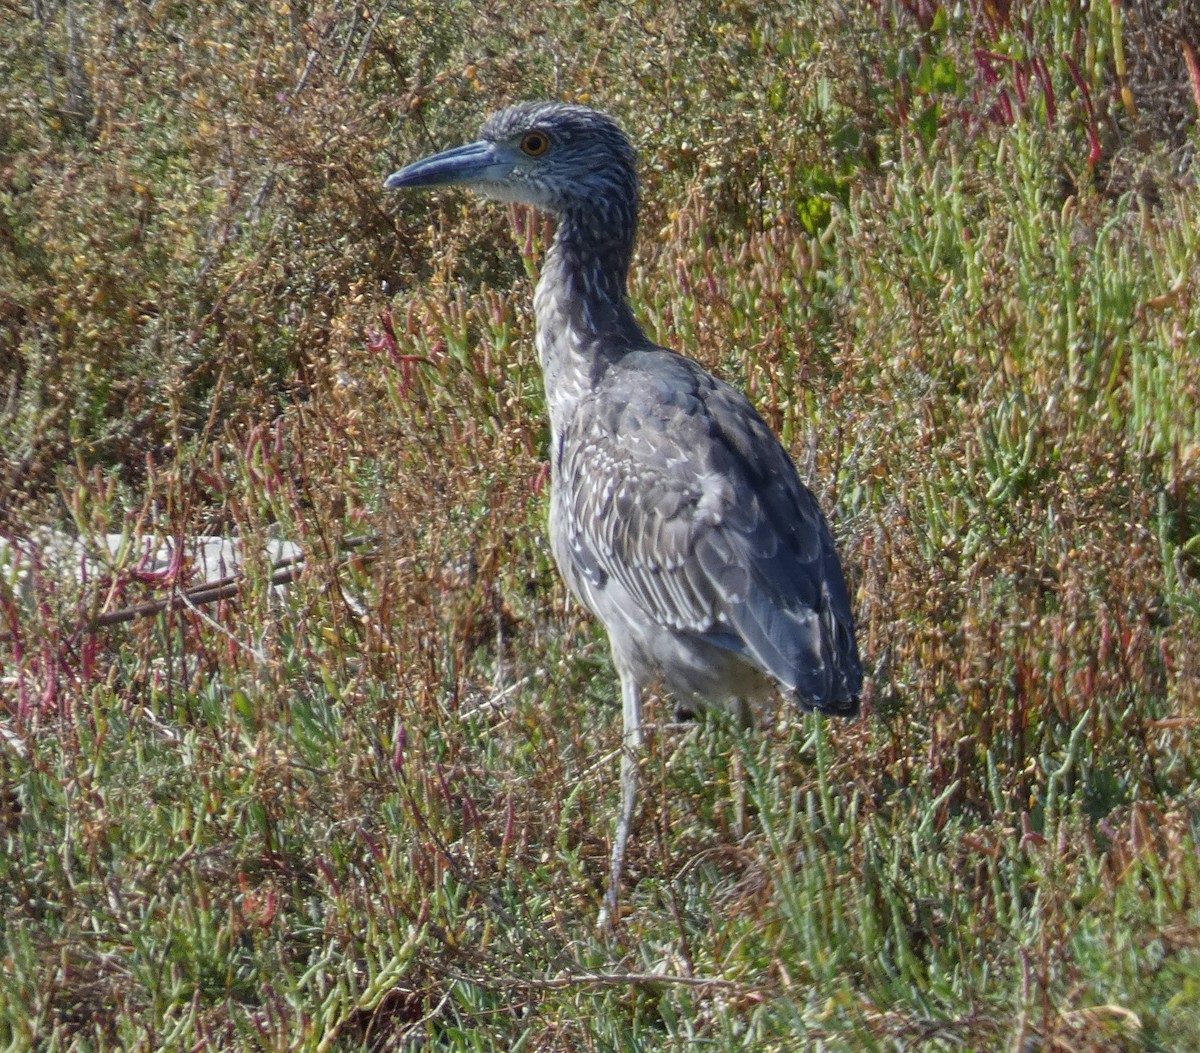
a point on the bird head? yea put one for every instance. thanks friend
(570, 160)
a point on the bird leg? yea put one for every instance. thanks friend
(631, 752)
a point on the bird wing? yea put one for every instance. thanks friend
(673, 485)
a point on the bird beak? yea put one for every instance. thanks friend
(480, 162)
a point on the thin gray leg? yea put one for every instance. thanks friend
(631, 753)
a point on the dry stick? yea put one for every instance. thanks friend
(1193, 65)
(366, 43)
(283, 572)
(633, 980)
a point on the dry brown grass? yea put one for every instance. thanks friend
(375, 809)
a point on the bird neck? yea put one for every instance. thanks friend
(584, 323)
(581, 294)
(592, 253)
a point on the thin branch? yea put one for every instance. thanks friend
(283, 572)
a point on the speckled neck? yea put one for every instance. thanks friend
(584, 322)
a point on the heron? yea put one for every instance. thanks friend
(676, 515)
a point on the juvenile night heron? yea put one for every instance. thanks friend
(676, 517)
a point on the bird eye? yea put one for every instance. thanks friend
(535, 143)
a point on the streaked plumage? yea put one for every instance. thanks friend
(676, 516)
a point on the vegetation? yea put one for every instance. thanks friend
(950, 249)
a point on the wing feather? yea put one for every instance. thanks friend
(675, 487)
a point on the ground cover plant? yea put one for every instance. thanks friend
(363, 802)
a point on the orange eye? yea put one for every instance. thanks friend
(535, 143)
